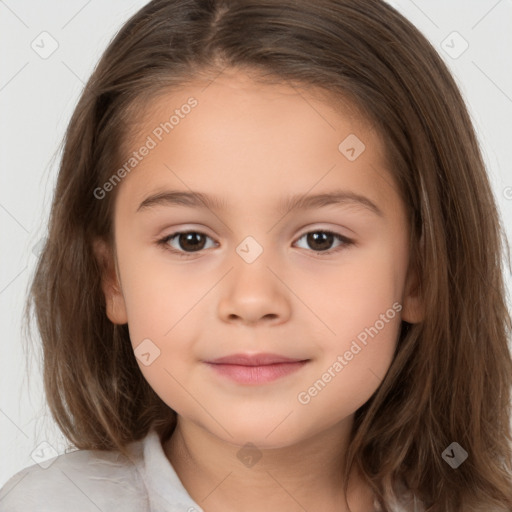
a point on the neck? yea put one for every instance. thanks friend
(221, 476)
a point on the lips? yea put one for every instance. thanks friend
(254, 359)
(255, 369)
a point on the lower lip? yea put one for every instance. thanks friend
(256, 374)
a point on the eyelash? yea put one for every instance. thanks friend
(164, 242)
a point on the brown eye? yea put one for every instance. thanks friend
(185, 242)
(191, 241)
(321, 241)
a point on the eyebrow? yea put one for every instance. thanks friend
(297, 202)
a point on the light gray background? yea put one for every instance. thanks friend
(37, 97)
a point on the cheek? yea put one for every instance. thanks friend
(353, 295)
(360, 312)
(165, 318)
(172, 383)
(160, 297)
(352, 366)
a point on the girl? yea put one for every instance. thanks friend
(337, 339)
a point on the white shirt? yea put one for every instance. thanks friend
(103, 481)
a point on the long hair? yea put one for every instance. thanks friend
(451, 377)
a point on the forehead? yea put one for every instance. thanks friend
(244, 136)
(241, 93)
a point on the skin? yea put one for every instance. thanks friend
(255, 145)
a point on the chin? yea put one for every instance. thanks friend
(259, 434)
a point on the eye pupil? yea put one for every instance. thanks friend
(325, 239)
(188, 239)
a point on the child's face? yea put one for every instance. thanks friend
(254, 146)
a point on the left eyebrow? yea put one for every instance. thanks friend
(194, 199)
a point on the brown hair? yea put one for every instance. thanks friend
(452, 373)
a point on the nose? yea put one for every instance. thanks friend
(254, 293)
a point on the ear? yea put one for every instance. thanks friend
(110, 283)
(413, 310)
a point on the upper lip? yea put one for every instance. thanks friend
(254, 359)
